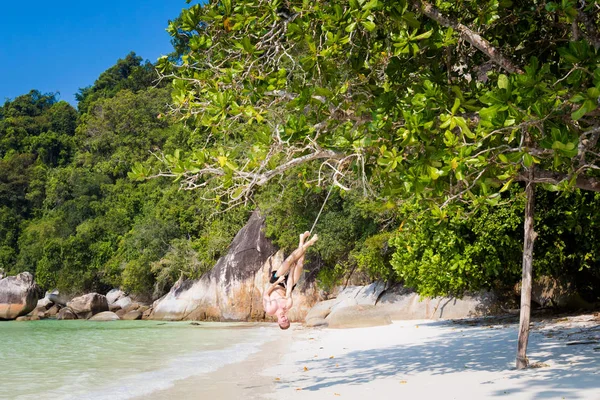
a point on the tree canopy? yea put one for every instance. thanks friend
(442, 104)
(452, 101)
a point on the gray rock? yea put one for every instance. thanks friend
(123, 302)
(39, 312)
(45, 302)
(23, 318)
(547, 291)
(114, 295)
(358, 316)
(66, 313)
(404, 304)
(18, 295)
(114, 307)
(316, 323)
(105, 316)
(57, 298)
(133, 306)
(53, 311)
(232, 290)
(322, 309)
(87, 305)
(148, 313)
(132, 315)
(374, 305)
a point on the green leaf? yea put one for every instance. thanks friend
(527, 160)
(350, 27)
(455, 106)
(423, 36)
(585, 108)
(370, 26)
(411, 20)
(503, 81)
(506, 186)
(371, 5)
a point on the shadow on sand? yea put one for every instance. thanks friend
(467, 348)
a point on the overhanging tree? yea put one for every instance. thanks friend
(447, 101)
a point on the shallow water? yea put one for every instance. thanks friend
(117, 359)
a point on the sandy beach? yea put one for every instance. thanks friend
(469, 359)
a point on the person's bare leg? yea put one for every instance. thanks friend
(287, 264)
(296, 271)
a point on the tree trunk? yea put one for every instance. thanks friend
(530, 237)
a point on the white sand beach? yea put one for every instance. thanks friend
(468, 359)
(442, 360)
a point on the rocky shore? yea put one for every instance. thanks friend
(232, 291)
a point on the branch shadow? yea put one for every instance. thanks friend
(468, 348)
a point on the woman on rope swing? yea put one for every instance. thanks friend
(277, 299)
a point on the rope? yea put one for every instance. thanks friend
(321, 210)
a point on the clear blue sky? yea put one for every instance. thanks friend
(61, 46)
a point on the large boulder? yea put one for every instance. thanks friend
(404, 304)
(53, 311)
(39, 312)
(561, 294)
(376, 304)
(45, 301)
(132, 315)
(232, 290)
(105, 316)
(114, 295)
(18, 295)
(123, 302)
(87, 305)
(66, 313)
(58, 298)
(358, 316)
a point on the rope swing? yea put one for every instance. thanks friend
(321, 210)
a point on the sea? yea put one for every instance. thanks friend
(117, 359)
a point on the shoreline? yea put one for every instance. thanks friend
(237, 380)
(444, 359)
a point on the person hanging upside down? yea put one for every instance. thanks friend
(277, 299)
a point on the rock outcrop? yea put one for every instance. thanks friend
(87, 305)
(58, 298)
(66, 313)
(18, 295)
(132, 315)
(232, 290)
(560, 294)
(114, 295)
(361, 306)
(105, 316)
(123, 303)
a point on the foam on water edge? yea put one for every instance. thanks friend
(182, 367)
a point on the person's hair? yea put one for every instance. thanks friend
(284, 325)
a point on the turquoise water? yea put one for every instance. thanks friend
(117, 359)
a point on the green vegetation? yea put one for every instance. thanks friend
(442, 105)
(427, 138)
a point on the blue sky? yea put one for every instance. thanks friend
(61, 46)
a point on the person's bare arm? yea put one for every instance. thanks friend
(271, 288)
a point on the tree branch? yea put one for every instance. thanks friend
(470, 36)
(591, 32)
(554, 178)
(330, 154)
